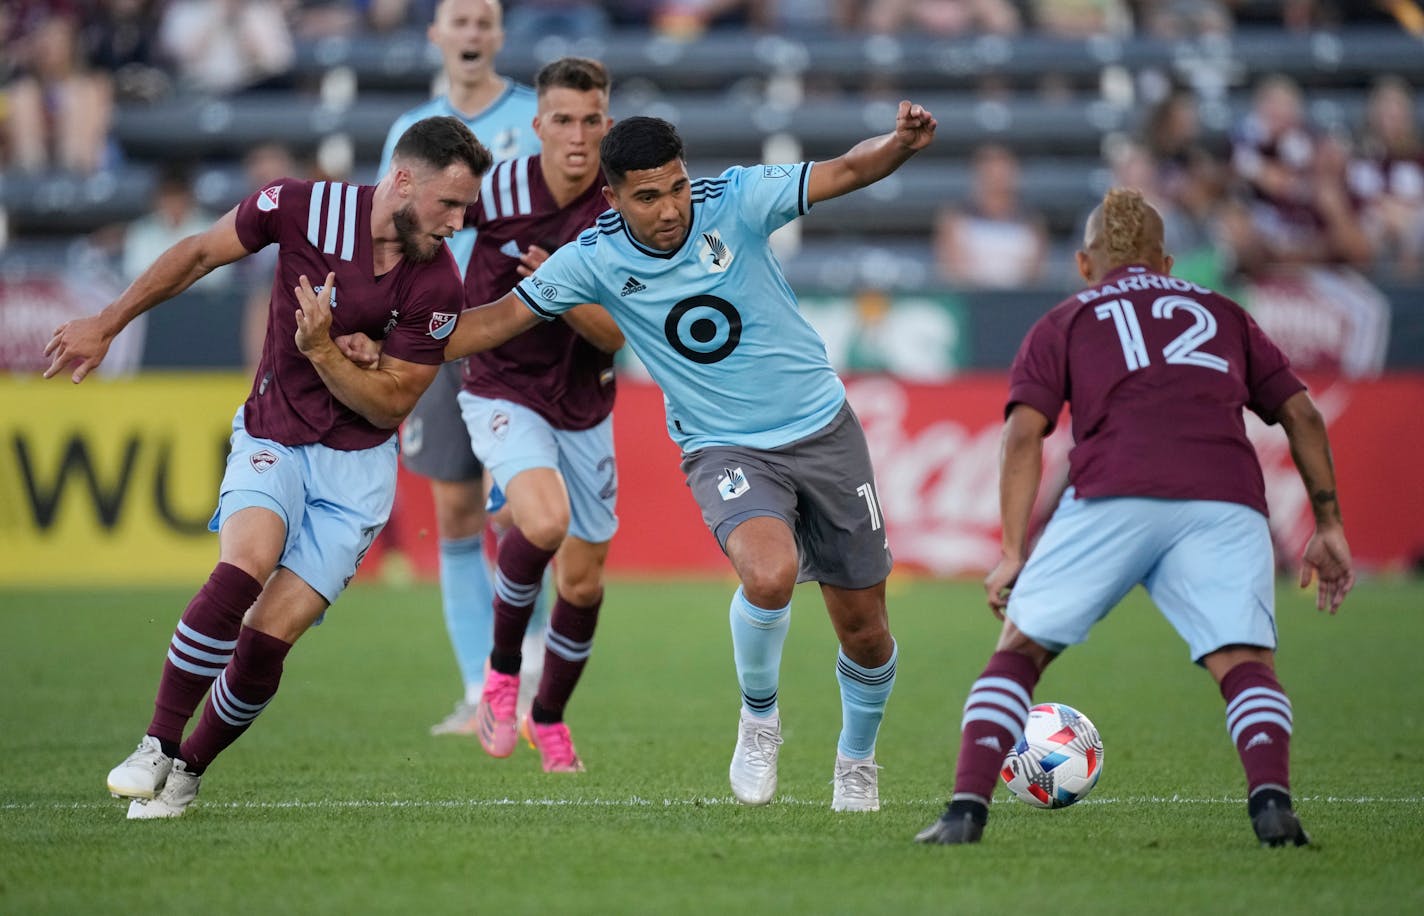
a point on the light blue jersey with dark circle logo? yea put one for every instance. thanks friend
(715, 321)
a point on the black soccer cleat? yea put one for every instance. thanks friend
(1277, 825)
(958, 824)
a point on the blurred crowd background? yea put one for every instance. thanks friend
(1281, 140)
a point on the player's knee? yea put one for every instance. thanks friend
(547, 530)
(768, 582)
(582, 593)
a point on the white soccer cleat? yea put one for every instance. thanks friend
(531, 671)
(459, 722)
(178, 793)
(142, 773)
(753, 771)
(857, 784)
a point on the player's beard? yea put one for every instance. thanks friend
(412, 241)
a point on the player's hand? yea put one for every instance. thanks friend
(531, 259)
(914, 126)
(1327, 559)
(84, 341)
(999, 581)
(360, 349)
(314, 316)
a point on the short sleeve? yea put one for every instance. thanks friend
(1039, 375)
(260, 214)
(768, 196)
(563, 281)
(1270, 381)
(429, 314)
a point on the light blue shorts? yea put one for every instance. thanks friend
(510, 438)
(333, 502)
(1207, 565)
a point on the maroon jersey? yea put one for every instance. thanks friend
(320, 228)
(1157, 370)
(549, 369)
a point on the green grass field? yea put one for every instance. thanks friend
(338, 801)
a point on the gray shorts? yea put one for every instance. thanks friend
(822, 486)
(434, 441)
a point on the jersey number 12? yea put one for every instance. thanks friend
(1182, 350)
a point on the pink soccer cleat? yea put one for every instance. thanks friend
(554, 744)
(494, 716)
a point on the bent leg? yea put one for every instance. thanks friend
(571, 627)
(865, 666)
(763, 552)
(287, 608)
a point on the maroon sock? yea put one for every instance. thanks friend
(247, 684)
(202, 644)
(994, 716)
(518, 574)
(566, 648)
(1258, 716)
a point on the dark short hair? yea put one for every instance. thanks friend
(638, 143)
(440, 141)
(578, 73)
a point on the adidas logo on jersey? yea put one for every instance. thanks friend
(632, 286)
(511, 249)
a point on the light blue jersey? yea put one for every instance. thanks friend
(506, 127)
(715, 321)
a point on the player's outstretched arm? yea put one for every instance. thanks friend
(1020, 468)
(1327, 554)
(84, 342)
(593, 323)
(871, 160)
(383, 395)
(488, 326)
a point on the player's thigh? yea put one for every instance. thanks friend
(732, 485)
(259, 474)
(350, 500)
(1091, 554)
(591, 479)
(1215, 582)
(841, 530)
(434, 442)
(508, 437)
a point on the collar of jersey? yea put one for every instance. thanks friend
(653, 252)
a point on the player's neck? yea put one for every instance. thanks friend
(470, 99)
(563, 189)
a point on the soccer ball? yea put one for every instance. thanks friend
(1058, 760)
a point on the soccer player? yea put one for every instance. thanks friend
(434, 444)
(1165, 490)
(772, 452)
(312, 471)
(539, 413)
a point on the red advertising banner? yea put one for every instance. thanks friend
(935, 448)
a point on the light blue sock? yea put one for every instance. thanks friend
(468, 600)
(864, 692)
(757, 638)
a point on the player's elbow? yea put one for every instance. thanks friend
(1299, 415)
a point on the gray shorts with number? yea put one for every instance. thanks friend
(434, 441)
(821, 486)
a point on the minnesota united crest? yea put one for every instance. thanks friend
(715, 253)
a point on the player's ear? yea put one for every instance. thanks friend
(1167, 262)
(1085, 266)
(611, 196)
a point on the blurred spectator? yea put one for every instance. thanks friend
(174, 216)
(530, 20)
(59, 109)
(994, 242)
(1177, 19)
(1293, 207)
(256, 274)
(1081, 18)
(122, 40)
(1387, 177)
(942, 17)
(1189, 232)
(1186, 173)
(222, 46)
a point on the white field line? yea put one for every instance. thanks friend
(636, 801)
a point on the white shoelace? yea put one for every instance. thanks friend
(761, 744)
(857, 780)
